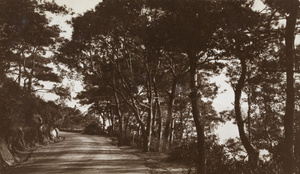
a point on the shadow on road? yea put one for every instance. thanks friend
(81, 154)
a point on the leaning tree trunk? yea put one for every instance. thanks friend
(201, 167)
(251, 150)
(288, 161)
(136, 112)
(132, 104)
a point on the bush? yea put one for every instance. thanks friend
(186, 153)
(94, 129)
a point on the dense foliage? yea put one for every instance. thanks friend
(25, 37)
(147, 69)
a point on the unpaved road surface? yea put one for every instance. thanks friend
(81, 154)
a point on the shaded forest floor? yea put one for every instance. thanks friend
(159, 163)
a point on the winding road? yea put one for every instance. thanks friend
(81, 154)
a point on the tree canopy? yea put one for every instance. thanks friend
(147, 68)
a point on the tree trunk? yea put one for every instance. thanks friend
(119, 115)
(2, 71)
(249, 111)
(118, 111)
(169, 115)
(104, 124)
(145, 134)
(132, 104)
(201, 167)
(126, 131)
(20, 73)
(154, 115)
(111, 116)
(159, 126)
(31, 74)
(146, 147)
(150, 111)
(251, 151)
(171, 137)
(288, 161)
(297, 148)
(181, 127)
(158, 115)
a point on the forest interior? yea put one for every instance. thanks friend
(148, 71)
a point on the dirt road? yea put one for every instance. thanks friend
(81, 154)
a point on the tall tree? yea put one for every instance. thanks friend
(113, 43)
(193, 27)
(178, 69)
(292, 9)
(27, 37)
(289, 11)
(245, 42)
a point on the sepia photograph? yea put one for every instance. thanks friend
(150, 86)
